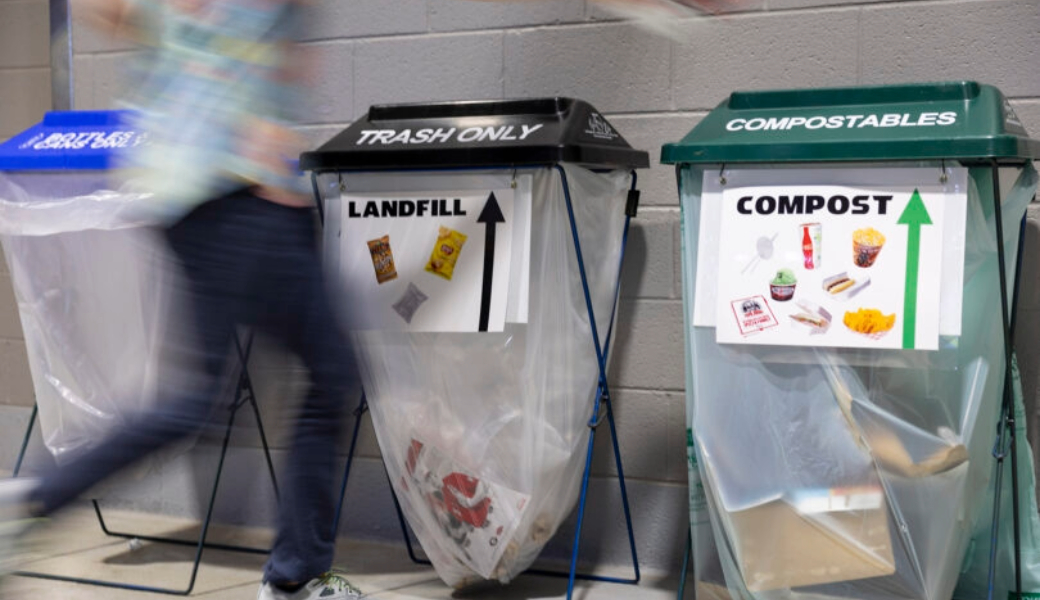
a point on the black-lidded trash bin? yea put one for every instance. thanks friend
(479, 246)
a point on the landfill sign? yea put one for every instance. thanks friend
(436, 261)
(830, 265)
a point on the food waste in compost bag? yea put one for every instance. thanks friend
(851, 469)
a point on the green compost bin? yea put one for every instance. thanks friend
(846, 339)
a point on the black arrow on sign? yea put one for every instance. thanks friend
(491, 215)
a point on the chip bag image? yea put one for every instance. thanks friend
(410, 302)
(446, 252)
(383, 259)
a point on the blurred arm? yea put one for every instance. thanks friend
(112, 17)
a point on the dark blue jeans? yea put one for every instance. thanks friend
(246, 262)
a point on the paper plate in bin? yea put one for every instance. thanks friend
(919, 403)
(449, 227)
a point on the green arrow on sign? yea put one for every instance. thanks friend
(913, 216)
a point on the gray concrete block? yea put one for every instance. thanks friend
(788, 4)
(651, 436)
(679, 273)
(678, 466)
(994, 41)
(452, 15)
(1029, 292)
(316, 135)
(111, 79)
(1027, 330)
(368, 444)
(1028, 112)
(3, 262)
(648, 353)
(13, 422)
(25, 94)
(24, 34)
(147, 487)
(16, 386)
(594, 11)
(83, 82)
(616, 67)
(650, 132)
(330, 98)
(333, 19)
(649, 270)
(764, 51)
(660, 515)
(455, 67)
(598, 12)
(10, 323)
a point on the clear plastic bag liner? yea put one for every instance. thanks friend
(484, 434)
(974, 576)
(847, 474)
(91, 300)
(49, 203)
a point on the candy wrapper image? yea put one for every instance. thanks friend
(383, 259)
(410, 302)
(446, 252)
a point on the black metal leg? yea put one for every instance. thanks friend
(246, 388)
(404, 527)
(25, 440)
(624, 492)
(361, 410)
(245, 395)
(685, 566)
(1007, 425)
(573, 573)
(200, 545)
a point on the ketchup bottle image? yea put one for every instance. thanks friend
(807, 248)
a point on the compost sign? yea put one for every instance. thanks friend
(857, 265)
(436, 261)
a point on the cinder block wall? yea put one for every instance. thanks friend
(25, 93)
(654, 90)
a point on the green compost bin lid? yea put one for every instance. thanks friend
(956, 120)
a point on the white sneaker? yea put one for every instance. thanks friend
(329, 586)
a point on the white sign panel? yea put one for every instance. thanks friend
(875, 263)
(435, 261)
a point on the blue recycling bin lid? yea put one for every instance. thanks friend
(72, 141)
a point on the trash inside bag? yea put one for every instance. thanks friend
(836, 473)
(484, 434)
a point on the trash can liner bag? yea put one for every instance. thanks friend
(828, 473)
(91, 301)
(484, 434)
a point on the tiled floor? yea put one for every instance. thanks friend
(75, 546)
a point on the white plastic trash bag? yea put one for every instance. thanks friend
(838, 473)
(91, 296)
(484, 434)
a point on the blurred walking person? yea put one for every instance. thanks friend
(217, 86)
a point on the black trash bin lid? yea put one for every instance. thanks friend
(503, 133)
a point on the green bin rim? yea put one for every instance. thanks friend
(983, 126)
